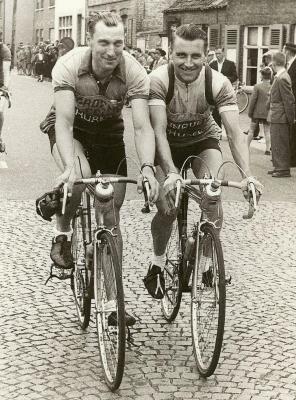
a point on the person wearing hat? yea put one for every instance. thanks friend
(290, 52)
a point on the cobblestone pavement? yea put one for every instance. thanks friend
(45, 355)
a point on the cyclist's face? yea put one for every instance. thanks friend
(107, 45)
(188, 58)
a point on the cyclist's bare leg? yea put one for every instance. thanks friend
(161, 225)
(112, 217)
(213, 159)
(82, 170)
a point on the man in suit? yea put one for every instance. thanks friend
(290, 51)
(282, 116)
(228, 69)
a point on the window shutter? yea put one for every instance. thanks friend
(232, 37)
(276, 36)
(214, 36)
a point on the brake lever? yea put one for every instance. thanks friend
(147, 193)
(65, 195)
(252, 202)
(178, 193)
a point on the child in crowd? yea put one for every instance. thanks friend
(258, 108)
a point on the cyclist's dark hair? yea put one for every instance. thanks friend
(109, 19)
(192, 32)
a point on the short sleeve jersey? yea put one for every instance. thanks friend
(5, 55)
(98, 106)
(189, 118)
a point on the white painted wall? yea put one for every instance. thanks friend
(64, 8)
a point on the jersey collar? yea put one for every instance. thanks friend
(85, 67)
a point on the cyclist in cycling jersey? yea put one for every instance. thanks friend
(90, 88)
(183, 125)
(5, 61)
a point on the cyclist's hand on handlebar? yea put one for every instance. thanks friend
(247, 190)
(67, 177)
(170, 189)
(153, 185)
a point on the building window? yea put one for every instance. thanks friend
(39, 35)
(65, 26)
(51, 3)
(256, 41)
(39, 4)
(51, 35)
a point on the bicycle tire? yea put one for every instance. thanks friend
(170, 304)
(80, 276)
(242, 100)
(107, 284)
(208, 289)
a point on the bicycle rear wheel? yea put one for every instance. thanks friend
(109, 307)
(242, 100)
(80, 276)
(208, 301)
(171, 301)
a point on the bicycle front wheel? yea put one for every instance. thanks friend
(208, 301)
(171, 301)
(242, 100)
(80, 276)
(109, 309)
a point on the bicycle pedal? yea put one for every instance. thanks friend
(228, 280)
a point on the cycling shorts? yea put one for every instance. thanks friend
(109, 158)
(180, 154)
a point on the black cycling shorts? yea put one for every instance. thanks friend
(180, 154)
(108, 158)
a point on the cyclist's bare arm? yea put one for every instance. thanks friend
(145, 141)
(158, 118)
(65, 107)
(236, 139)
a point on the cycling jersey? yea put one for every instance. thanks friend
(98, 106)
(189, 118)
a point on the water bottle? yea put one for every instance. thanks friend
(189, 247)
(209, 198)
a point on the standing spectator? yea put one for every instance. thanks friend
(159, 58)
(21, 59)
(139, 56)
(28, 59)
(5, 61)
(290, 51)
(40, 64)
(228, 69)
(258, 108)
(282, 116)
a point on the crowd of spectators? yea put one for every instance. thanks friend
(150, 59)
(38, 60)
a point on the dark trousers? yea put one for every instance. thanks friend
(280, 146)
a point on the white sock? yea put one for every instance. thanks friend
(159, 261)
(68, 234)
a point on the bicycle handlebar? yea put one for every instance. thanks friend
(233, 184)
(104, 180)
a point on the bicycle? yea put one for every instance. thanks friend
(97, 274)
(242, 97)
(195, 255)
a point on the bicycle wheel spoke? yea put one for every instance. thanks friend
(109, 304)
(208, 307)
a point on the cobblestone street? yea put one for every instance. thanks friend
(45, 355)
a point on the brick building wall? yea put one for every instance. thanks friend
(44, 22)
